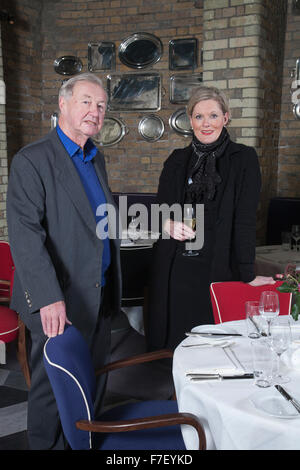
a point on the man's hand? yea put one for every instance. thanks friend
(54, 318)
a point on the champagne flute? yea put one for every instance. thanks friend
(269, 307)
(296, 235)
(189, 219)
(279, 341)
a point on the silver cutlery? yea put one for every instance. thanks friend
(199, 333)
(256, 327)
(220, 344)
(197, 377)
(288, 397)
(235, 357)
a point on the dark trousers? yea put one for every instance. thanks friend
(43, 423)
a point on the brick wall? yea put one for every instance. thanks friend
(243, 55)
(289, 144)
(22, 53)
(243, 44)
(133, 164)
(3, 153)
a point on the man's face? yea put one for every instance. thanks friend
(82, 114)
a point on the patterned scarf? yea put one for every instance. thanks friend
(203, 177)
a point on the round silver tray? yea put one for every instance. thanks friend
(67, 65)
(140, 50)
(296, 110)
(113, 130)
(151, 127)
(180, 122)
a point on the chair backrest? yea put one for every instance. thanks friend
(228, 299)
(6, 261)
(135, 265)
(69, 367)
(283, 212)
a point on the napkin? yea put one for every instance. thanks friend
(215, 363)
(295, 359)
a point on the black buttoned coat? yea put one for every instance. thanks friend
(234, 228)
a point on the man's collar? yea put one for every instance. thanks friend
(90, 150)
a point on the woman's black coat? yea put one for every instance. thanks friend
(234, 230)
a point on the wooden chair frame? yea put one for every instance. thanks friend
(171, 419)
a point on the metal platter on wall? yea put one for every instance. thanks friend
(183, 54)
(181, 86)
(132, 91)
(67, 65)
(151, 127)
(180, 122)
(113, 130)
(140, 50)
(101, 56)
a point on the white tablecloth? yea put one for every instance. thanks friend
(230, 419)
(272, 259)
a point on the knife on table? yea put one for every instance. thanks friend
(288, 397)
(218, 376)
(199, 333)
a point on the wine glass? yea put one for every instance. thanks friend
(279, 341)
(269, 307)
(296, 235)
(132, 230)
(189, 219)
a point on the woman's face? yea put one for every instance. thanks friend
(208, 121)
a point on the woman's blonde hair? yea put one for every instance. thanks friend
(208, 93)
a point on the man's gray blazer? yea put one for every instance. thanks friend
(52, 233)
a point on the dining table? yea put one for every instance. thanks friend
(273, 259)
(236, 414)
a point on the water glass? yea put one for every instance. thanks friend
(286, 240)
(263, 363)
(279, 341)
(269, 306)
(253, 318)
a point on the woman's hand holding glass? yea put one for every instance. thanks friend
(178, 230)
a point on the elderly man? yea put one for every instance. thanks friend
(65, 273)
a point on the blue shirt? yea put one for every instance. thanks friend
(84, 166)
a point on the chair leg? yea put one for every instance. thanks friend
(22, 352)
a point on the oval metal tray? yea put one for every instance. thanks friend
(180, 122)
(67, 65)
(151, 127)
(140, 50)
(113, 130)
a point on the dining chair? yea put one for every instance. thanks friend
(6, 272)
(11, 325)
(228, 299)
(140, 425)
(8, 317)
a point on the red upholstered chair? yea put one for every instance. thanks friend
(228, 299)
(8, 318)
(6, 271)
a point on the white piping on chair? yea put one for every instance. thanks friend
(9, 331)
(77, 383)
(215, 298)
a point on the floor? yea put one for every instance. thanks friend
(146, 381)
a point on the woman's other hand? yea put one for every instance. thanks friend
(261, 281)
(178, 230)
